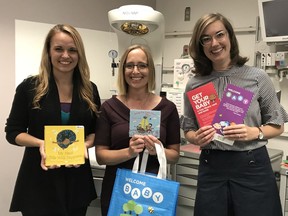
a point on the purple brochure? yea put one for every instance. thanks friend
(232, 110)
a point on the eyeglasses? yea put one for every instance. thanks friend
(140, 66)
(207, 39)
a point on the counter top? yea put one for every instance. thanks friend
(190, 150)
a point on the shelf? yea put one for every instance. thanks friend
(168, 69)
(178, 33)
(250, 29)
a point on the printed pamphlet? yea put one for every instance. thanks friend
(232, 110)
(204, 101)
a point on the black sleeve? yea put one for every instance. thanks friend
(18, 119)
(96, 96)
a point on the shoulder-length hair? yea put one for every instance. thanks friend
(81, 72)
(122, 84)
(203, 65)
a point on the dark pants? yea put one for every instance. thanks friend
(234, 183)
(72, 212)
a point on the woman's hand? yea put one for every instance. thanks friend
(241, 132)
(136, 145)
(171, 151)
(85, 155)
(202, 136)
(43, 157)
(87, 145)
(150, 142)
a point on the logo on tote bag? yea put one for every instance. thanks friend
(146, 192)
(131, 206)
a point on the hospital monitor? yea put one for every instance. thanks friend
(273, 21)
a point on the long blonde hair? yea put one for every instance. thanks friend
(82, 68)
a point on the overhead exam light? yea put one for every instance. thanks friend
(134, 28)
(140, 24)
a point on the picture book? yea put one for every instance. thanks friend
(233, 107)
(145, 122)
(204, 101)
(64, 144)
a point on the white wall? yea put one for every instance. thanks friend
(242, 14)
(30, 36)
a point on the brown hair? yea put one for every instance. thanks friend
(203, 65)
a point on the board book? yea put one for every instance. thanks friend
(64, 145)
(144, 122)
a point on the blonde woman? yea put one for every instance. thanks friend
(114, 147)
(61, 94)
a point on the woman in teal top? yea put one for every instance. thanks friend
(61, 94)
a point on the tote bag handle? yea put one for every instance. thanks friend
(162, 173)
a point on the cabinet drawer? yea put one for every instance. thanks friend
(184, 201)
(186, 160)
(185, 206)
(180, 170)
(187, 180)
(184, 210)
(187, 191)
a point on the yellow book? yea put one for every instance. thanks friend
(64, 144)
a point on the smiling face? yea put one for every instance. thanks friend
(137, 77)
(218, 51)
(63, 53)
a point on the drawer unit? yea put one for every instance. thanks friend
(284, 189)
(185, 172)
(94, 208)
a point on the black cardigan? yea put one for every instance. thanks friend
(50, 192)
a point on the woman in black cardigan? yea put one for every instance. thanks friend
(61, 94)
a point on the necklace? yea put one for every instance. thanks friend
(137, 104)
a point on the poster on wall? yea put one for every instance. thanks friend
(182, 72)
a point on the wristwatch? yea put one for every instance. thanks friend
(260, 135)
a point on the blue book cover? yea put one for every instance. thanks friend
(145, 122)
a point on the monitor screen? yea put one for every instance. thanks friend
(273, 20)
